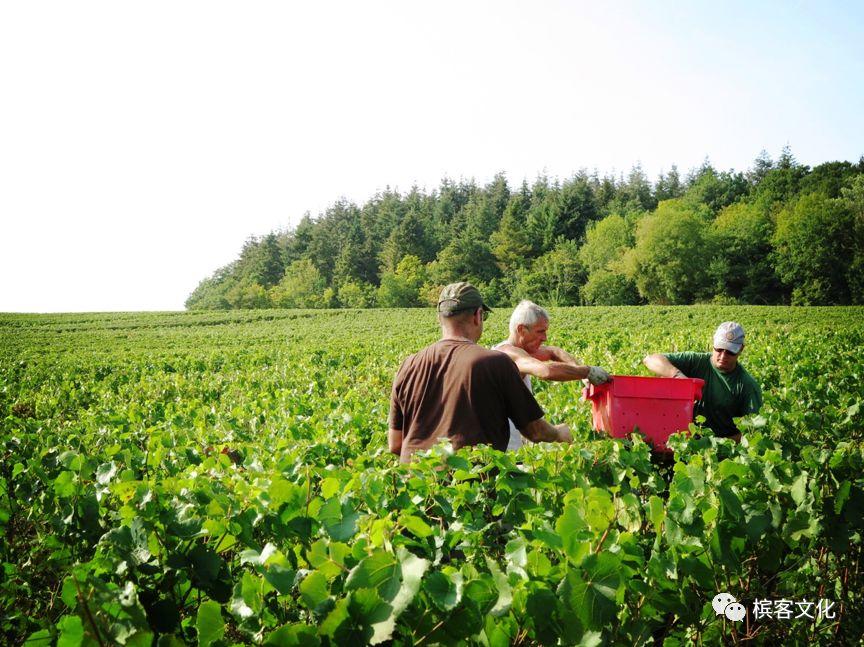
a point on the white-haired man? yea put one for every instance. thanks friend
(529, 324)
(729, 391)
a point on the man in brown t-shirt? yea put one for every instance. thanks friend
(457, 389)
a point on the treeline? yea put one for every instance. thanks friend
(780, 233)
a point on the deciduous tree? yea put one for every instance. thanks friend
(301, 287)
(669, 260)
(815, 246)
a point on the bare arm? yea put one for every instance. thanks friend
(541, 431)
(555, 354)
(657, 363)
(556, 371)
(394, 441)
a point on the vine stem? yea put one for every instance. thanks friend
(845, 582)
(89, 615)
(219, 541)
(430, 632)
(602, 539)
(308, 490)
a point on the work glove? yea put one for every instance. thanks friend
(564, 435)
(597, 375)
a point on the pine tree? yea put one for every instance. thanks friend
(511, 244)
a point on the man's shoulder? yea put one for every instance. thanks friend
(496, 365)
(689, 358)
(413, 358)
(689, 354)
(464, 350)
(480, 353)
(512, 350)
(423, 353)
(477, 356)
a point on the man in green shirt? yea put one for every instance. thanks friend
(729, 391)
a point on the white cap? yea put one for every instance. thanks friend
(729, 335)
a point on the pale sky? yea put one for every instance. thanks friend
(142, 143)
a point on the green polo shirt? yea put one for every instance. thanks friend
(724, 396)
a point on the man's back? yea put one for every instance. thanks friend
(515, 441)
(458, 389)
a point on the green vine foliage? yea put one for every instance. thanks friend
(223, 478)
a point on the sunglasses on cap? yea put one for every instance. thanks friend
(724, 350)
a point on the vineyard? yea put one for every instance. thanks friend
(220, 478)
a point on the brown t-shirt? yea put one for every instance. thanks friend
(461, 390)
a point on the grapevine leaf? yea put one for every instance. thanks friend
(41, 638)
(441, 590)
(413, 568)
(280, 577)
(415, 525)
(380, 571)
(105, 472)
(799, 488)
(482, 592)
(209, 623)
(842, 496)
(731, 502)
(314, 590)
(295, 635)
(71, 632)
(64, 485)
(339, 519)
(205, 565)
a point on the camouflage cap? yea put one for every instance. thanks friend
(459, 297)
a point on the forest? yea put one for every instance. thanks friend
(779, 233)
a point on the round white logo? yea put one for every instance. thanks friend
(735, 611)
(721, 601)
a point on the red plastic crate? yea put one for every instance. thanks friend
(657, 406)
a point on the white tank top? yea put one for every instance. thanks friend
(516, 439)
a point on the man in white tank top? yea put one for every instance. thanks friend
(528, 326)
